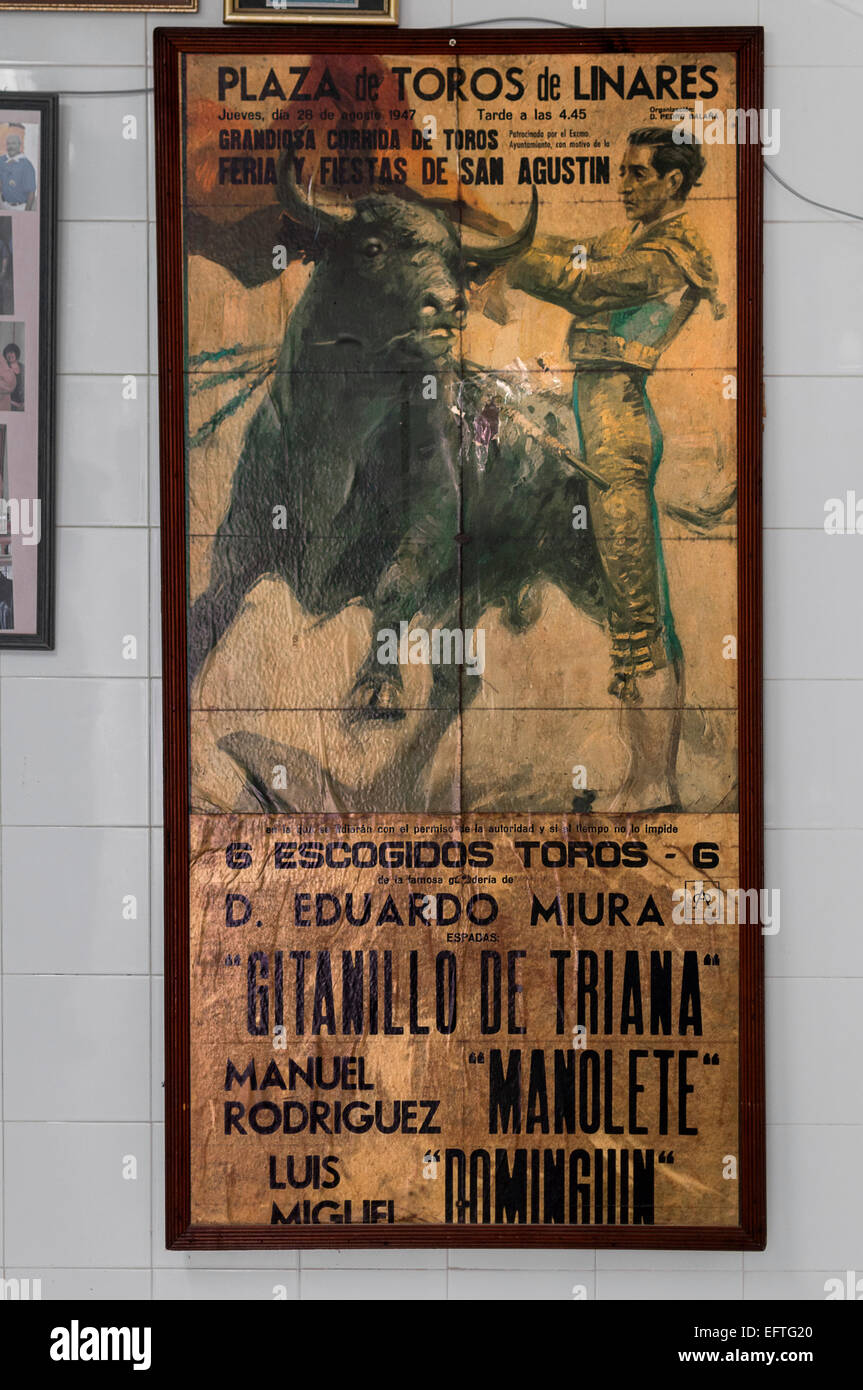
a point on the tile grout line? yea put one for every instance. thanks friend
(149, 151)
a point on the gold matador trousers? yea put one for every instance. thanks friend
(621, 441)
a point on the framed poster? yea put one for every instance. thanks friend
(304, 12)
(167, 6)
(460, 347)
(28, 138)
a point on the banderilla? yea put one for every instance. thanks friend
(551, 443)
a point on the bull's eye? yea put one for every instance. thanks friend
(373, 248)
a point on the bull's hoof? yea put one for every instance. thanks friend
(375, 699)
(522, 610)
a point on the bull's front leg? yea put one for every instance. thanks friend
(423, 579)
(236, 566)
(378, 691)
(210, 616)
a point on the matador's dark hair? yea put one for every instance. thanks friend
(668, 155)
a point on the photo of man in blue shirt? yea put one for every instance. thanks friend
(17, 175)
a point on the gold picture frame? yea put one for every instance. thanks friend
(300, 12)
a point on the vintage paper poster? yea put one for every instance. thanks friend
(460, 423)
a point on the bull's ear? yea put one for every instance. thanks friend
(247, 248)
(478, 274)
(491, 299)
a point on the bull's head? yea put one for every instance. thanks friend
(392, 271)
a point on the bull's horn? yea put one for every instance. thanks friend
(296, 205)
(510, 246)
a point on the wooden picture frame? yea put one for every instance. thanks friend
(28, 222)
(176, 52)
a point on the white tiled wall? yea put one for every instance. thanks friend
(79, 738)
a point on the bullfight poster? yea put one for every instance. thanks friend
(460, 429)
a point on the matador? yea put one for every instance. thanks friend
(630, 291)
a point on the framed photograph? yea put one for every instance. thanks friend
(460, 385)
(168, 6)
(28, 138)
(302, 12)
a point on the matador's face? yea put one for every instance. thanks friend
(646, 194)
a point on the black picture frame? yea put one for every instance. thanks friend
(47, 104)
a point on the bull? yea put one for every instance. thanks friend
(407, 480)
